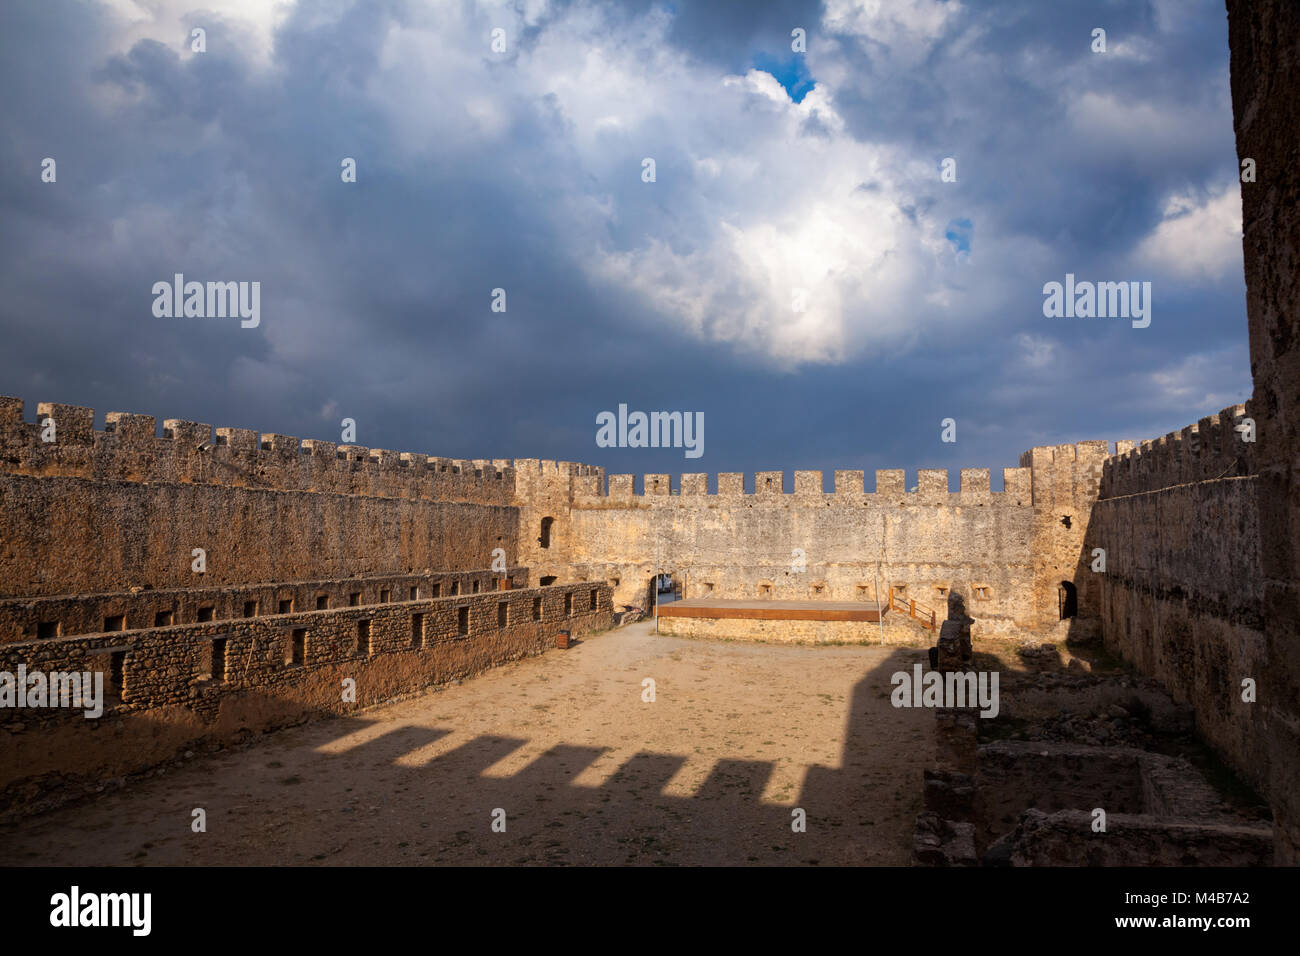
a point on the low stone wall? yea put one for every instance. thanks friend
(63, 615)
(174, 688)
(795, 632)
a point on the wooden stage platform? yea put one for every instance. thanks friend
(773, 610)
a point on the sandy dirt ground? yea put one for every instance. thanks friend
(586, 771)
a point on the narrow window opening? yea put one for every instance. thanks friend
(462, 620)
(115, 622)
(437, 590)
(417, 630)
(363, 638)
(117, 674)
(207, 613)
(568, 604)
(298, 647)
(286, 605)
(413, 594)
(537, 608)
(354, 599)
(163, 619)
(250, 609)
(544, 539)
(48, 629)
(385, 595)
(595, 598)
(218, 670)
(322, 602)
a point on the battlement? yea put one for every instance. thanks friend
(931, 488)
(1212, 448)
(129, 449)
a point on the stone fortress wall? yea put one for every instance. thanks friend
(1005, 552)
(305, 539)
(1182, 595)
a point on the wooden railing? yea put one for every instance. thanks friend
(918, 612)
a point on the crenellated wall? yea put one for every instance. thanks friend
(1182, 596)
(856, 543)
(121, 508)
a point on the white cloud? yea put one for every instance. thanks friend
(1198, 239)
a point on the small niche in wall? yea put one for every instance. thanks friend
(363, 638)
(286, 606)
(982, 592)
(462, 620)
(163, 619)
(115, 622)
(250, 609)
(322, 602)
(568, 604)
(48, 629)
(537, 608)
(297, 650)
(206, 613)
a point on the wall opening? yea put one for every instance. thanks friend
(298, 647)
(354, 599)
(117, 674)
(207, 613)
(545, 538)
(1068, 598)
(47, 629)
(503, 613)
(163, 619)
(437, 589)
(417, 630)
(250, 609)
(537, 608)
(218, 670)
(548, 580)
(115, 622)
(286, 606)
(568, 604)
(363, 638)
(462, 620)
(455, 588)
(322, 602)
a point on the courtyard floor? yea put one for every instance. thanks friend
(586, 772)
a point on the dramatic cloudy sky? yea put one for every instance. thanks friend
(522, 170)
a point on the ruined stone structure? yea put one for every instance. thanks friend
(1010, 550)
(228, 584)
(328, 563)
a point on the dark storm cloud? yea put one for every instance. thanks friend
(376, 295)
